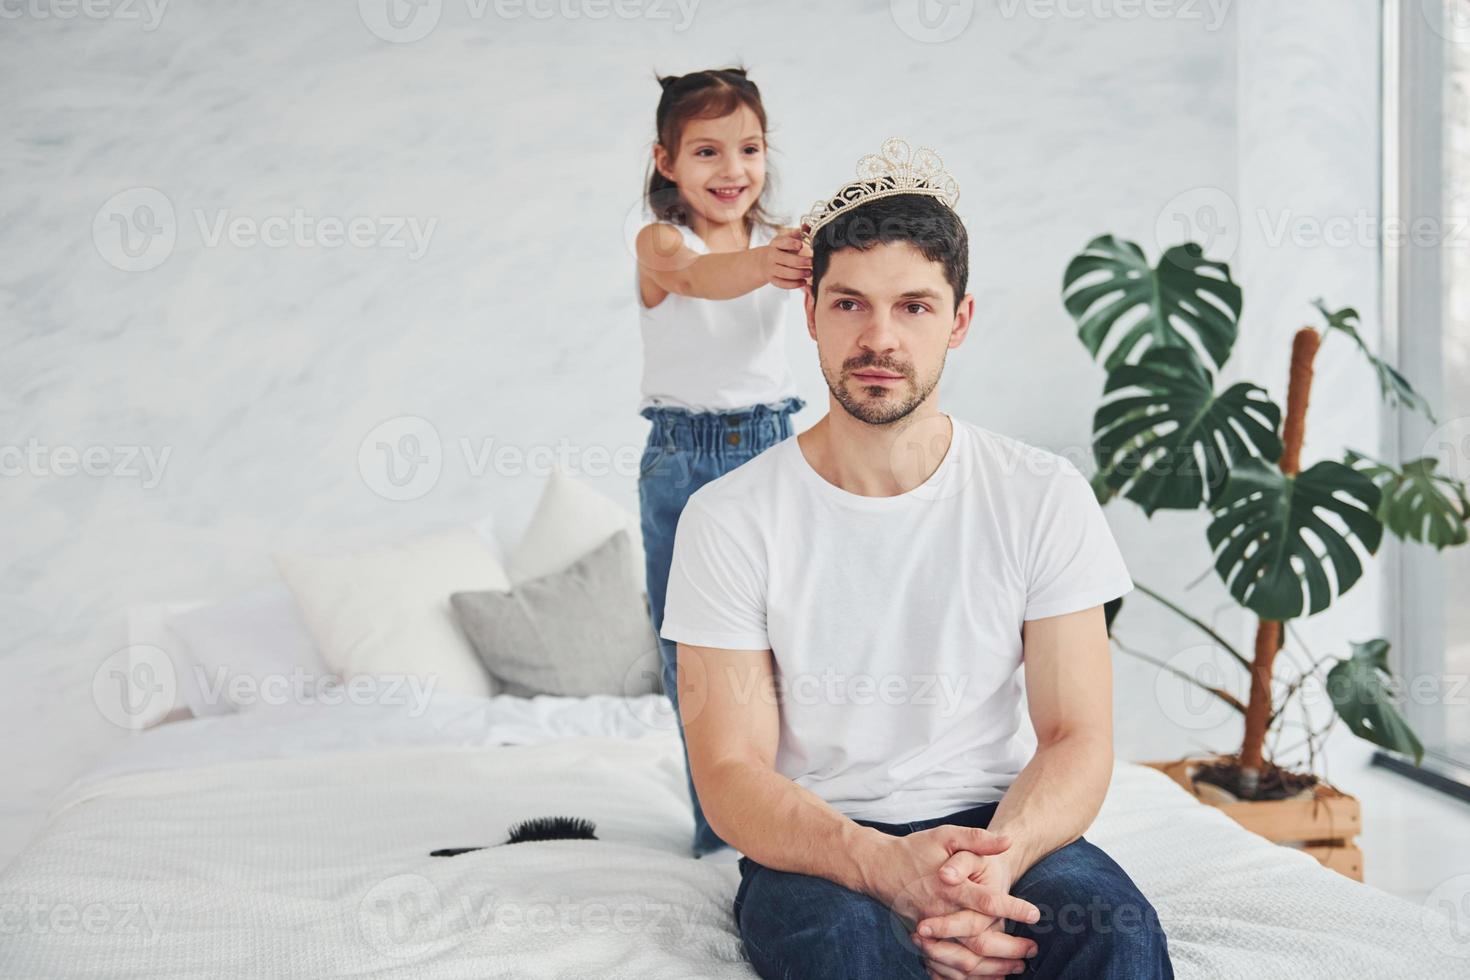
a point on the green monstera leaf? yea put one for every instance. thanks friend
(1416, 504)
(1169, 442)
(1265, 525)
(1360, 690)
(1110, 284)
(1394, 386)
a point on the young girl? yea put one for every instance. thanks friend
(716, 285)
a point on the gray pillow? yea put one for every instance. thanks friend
(583, 630)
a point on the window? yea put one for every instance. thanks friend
(1427, 330)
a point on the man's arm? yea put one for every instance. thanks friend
(731, 716)
(1069, 690)
(728, 704)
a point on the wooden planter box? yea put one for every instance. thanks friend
(1324, 826)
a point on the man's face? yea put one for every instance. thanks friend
(883, 320)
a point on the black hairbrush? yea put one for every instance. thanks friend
(534, 829)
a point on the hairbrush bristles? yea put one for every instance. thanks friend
(552, 828)
(535, 829)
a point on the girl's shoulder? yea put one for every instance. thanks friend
(665, 237)
(665, 232)
(660, 242)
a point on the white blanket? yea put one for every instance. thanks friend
(301, 850)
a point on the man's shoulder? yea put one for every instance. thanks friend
(1014, 466)
(749, 486)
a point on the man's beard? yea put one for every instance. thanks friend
(884, 404)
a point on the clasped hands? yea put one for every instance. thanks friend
(954, 884)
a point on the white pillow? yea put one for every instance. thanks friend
(142, 689)
(485, 528)
(571, 520)
(248, 652)
(386, 611)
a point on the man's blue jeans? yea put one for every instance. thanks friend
(1095, 924)
(686, 450)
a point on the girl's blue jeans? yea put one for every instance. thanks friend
(685, 451)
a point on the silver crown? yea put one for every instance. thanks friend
(895, 169)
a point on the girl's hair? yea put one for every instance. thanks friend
(707, 94)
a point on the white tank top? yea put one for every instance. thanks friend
(715, 355)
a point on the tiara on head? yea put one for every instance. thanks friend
(895, 169)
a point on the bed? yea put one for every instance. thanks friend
(295, 843)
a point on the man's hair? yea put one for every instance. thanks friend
(926, 223)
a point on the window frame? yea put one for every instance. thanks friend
(1413, 81)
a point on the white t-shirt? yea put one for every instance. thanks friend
(894, 622)
(714, 355)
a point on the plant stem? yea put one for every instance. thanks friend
(1268, 633)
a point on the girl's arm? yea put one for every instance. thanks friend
(674, 267)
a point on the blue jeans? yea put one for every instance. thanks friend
(685, 451)
(1094, 921)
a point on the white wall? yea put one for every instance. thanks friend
(262, 370)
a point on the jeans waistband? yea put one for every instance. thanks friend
(757, 426)
(975, 816)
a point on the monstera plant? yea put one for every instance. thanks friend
(1286, 541)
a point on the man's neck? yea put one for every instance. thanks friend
(877, 460)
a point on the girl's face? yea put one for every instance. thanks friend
(720, 165)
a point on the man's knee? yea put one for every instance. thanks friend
(1092, 913)
(796, 925)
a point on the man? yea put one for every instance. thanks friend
(852, 608)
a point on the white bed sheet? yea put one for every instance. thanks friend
(296, 844)
(316, 729)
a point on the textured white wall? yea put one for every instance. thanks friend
(518, 144)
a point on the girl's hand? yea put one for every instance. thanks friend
(788, 260)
